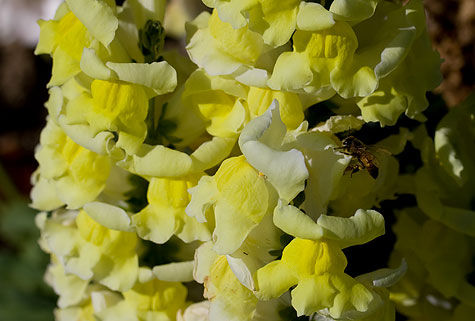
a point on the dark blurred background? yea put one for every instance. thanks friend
(23, 78)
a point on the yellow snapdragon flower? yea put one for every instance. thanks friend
(263, 143)
(83, 313)
(237, 198)
(314, 261)
(68, 173)
(92, 251)
(107, 113)
(220, 49)
(227, 105)
(78, 25)
(150, 299)
(317, 267)
(228, 298)
(165, 214)
(403, 90)
(355, 61)
(69, 287)
(276, 21)
(316, 57)
(220, 102)
(156, 297)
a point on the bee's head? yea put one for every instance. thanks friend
(351, 141)
(348, 141)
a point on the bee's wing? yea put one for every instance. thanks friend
(376, 149)
(378, 153)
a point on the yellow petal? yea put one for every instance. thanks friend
(98, 17)
(46, 43)
(274, 279)
(291, 110)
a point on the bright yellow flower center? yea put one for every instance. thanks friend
(72, 36)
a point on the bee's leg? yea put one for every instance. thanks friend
(352, 168)
(341, 149)
(349, 168)
(357, 166)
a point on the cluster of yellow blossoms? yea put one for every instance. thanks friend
(159, 171)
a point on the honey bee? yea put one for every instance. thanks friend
(362, 156)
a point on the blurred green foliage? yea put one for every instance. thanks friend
(24, 296)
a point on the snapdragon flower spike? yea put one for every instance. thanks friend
(140, 145)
